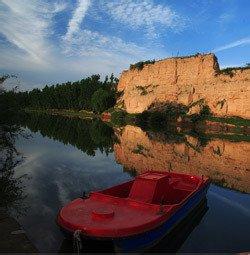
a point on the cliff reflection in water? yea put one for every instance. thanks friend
(227, 163)
(223, 158)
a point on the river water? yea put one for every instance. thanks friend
(61, 158)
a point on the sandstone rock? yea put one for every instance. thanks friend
(186, 80)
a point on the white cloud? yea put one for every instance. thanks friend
(26, 25)
(139, 14)
(92, 52)
(77, 18)
(30, 48)
(90, 43)
(241, 42)
(59, 7)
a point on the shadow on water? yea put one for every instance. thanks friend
(12, 194)
(173, 241)
(11, 187)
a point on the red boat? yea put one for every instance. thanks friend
(136, 214)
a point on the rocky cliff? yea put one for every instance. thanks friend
(187, 81)
(226, 163)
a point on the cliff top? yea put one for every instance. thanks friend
(228, 70)
(139, 65)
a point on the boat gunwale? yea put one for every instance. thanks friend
(199, 184)
(87, 236)
(163, 215)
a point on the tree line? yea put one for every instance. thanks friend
(90, 94)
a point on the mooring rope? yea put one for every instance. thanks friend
(77, 241)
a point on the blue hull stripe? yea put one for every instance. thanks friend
(147, 239)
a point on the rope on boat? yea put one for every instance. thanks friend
(77, 241)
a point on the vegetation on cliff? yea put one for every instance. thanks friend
(141, 64)
(231, 70)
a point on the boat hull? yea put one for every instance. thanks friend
(150, 238)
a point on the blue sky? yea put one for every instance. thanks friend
(45, 41)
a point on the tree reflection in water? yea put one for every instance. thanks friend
(11, 187)
(184, 150)
(86, 135)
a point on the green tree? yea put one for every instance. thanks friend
(102, 100)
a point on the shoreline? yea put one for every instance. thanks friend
(82, 114)
(229, 128)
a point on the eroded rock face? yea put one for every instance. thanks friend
(185, 81)
(225, 162)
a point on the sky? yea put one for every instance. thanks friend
(48, 42)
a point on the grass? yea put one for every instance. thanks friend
(237, 121)
(231, 70)
(229, 137)
(83, 114)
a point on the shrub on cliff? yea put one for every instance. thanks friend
(140, 65)
(159, 114)
(231, 70)
(171, 110)
(156, 120)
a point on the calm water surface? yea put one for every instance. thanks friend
(63, 159)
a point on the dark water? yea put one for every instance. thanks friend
(61, 158)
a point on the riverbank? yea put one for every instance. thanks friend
(205, 123)
(13, 237)
(82, 114)
(229, 128)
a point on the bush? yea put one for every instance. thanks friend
(118, 118)
(140, 65)
(158, 114)
(102, 100)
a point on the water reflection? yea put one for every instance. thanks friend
(11, 186)
(59, 174)
(227, 163)
(65, 157)
(88, 136)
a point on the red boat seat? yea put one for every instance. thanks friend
(150, 188)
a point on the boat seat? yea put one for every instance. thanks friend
(150, 189)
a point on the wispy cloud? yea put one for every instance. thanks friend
(101, 52)
(30, 46)
(59, 7)
(77, 18)
(26, 25)
(91, 43)
(241, 42)
(226, 17)
(144, 14)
